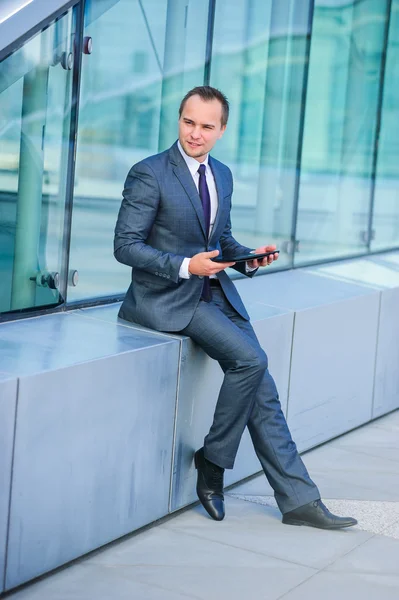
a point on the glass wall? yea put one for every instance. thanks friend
(35, 109)
(312, 140)
(259, 59)
(385, 230)
(342, 105)
(145, 56)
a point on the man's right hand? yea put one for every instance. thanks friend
(201, 264)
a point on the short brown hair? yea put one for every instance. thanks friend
(208, 93)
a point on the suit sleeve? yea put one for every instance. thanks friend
(137, 214)
(230, 246)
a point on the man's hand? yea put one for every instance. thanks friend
(263, 262)
(201, 264)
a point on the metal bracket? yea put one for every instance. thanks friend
(290, 246)
(366, 238)
(45, 279)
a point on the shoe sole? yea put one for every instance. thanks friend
(299, 523)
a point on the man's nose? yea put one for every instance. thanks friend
(196, 132)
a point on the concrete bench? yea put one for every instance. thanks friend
(99, 418)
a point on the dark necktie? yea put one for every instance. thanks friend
(206, 205)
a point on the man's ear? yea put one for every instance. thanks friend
(222, 131)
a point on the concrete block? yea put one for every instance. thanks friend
(332, 369)
(386, 387)
(8, 400)
(93, 453)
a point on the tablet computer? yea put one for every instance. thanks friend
(242, 257)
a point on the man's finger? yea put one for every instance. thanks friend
(221, 266)
(211, 254)
(264, 262)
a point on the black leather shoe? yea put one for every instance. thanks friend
(316, 514)
(210, 485)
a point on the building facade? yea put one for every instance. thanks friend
(88, 88)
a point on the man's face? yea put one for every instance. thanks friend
(200, 126)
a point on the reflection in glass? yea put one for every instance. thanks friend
(386, 194)
(146, 55)
(340, 125)
(35, 100)
(258, 61)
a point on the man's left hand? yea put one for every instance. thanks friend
(263, 262)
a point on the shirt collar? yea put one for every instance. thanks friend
(192, 164)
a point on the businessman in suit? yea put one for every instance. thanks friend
(174, 218)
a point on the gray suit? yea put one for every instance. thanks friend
(160, 223)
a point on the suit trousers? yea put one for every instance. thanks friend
(248, 398)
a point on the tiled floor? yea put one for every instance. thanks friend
(251, 554)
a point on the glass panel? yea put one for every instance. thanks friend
(340, 124)
(386, 196)
(146, 55)
(35, 102)
(258, 61)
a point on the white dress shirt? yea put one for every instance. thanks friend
(193, 166)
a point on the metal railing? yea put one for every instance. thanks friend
(20, 19)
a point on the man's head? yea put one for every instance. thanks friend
(203, 115)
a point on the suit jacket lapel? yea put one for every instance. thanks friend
(184, 176)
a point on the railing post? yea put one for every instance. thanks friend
(30, 184)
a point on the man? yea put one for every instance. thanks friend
(174, 218)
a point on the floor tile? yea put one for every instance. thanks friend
(232, 583)
(333, 458)
(259, 529)
(95, 583)
(357, 484)
(379, 555)
(172, 578)
(163, 546)
(370, 441)
(331, 586)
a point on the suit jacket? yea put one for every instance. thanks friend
(160, 222)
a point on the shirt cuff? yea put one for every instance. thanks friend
(183, 271)
(249, 269)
